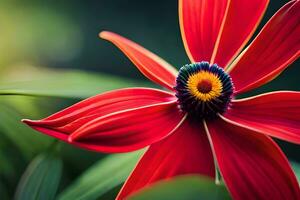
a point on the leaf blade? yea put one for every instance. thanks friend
(17, 133)
(101, 177)
(64, 83)
(183, 187)
(44, 169)
(296, 168)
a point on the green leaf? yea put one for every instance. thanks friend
(183, 187)
(63, 83)
(296, 167)
(41, 178)
(25, 139)
(101, 177)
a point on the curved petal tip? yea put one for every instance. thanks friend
(70, 139)
(152, 66)
(104, 34)
(29, 122)
(73, 137)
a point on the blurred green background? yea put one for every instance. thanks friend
(50, 52)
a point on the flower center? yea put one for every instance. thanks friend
(204, 86)
(202, 90)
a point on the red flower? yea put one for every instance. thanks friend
(199, 120)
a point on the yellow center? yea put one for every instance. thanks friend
(205, 86)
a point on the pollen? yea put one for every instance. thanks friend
(204, 85)
(203, 90)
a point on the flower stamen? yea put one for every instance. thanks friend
(203, 90)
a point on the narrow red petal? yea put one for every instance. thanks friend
(73, 117)
(117, 121)
(200, 23)
(131, 129)
(242, 19)
(186, 151)
(152, 66)
(276, 46)
(276, 114)
(251, 164)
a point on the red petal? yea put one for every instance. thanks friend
(186, 151)
(152, 66)
(276, 114)
(277, 45)
(242, 19)
(200, 24)
(117, 121)
(131, 129)
(71, 118)
(252, 165)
